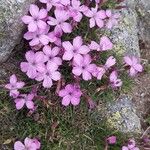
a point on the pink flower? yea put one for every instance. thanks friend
(36, 20)
(50, 73)
(51, 55)
(100, 71)
(134, 64)
(111, 140)
(55, 36)
(104, 44)
(25, 99)
(71, 50)
(14, 85)
(35, 63)
(113, 19)
(38, 37)
(60, 21)
(111, 61)
(75, 10)
(49, 3)
(82, 66)
(71, 94)
(131, 145)
(114, 81)
(29, 144)
(96, 17)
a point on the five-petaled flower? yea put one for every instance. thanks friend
(96, 17)
(82, 66)
(71, 94)
(36, 20)
(14, 86)
(134, 65)
(71, 50)
(34, 64)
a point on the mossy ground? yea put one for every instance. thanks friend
(57, 127)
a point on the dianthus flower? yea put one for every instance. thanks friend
(82, 66)
(49, 74)
(71, 50)
(60, 22)
(34, 64)
(36, 20)
(96, 17)
(134, 65)
(14, 86)
(114, 81)
(71, 94)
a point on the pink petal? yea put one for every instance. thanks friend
(77, 71)
(34, 10)
(75, 101)
(77, 42)
(32, 27)
(28, 142)
(110, 62)
(42, 14)
(113, 76)
(19, 146)
(88, 13)
(57, 60)
(66, 27)
(132, 72)
(56, 76)
(29, 35)
(52, 21)
(32, 73)
(55, 51)
(76, 3)
(47, 82)
(52, 66)
(27, 19)
(44, 39)
(63, 93)
(67, 55)
(92, 22)
(66, 100)
(30, 104)
(78, 60)
(105, 43)
(108, 13)
(86, 75)
(34, 42)
(128, 60)
(20, 103)
(124, 148)
(67, 46)
(84, 49)
(94, 46)
(13, 79)
(78, 17)
(101, 14)
(87, 59)
(20, 84)
(41, 24)
(138, 67)
(100, 23)
(24, 66)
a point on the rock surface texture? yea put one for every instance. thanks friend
(11, 26)
(121, 115)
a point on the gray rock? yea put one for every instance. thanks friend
(125, 34)
(11, 26)
(121, 115)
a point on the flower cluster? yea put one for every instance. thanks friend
(131, 145)
(47, 26)
(29, 144)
